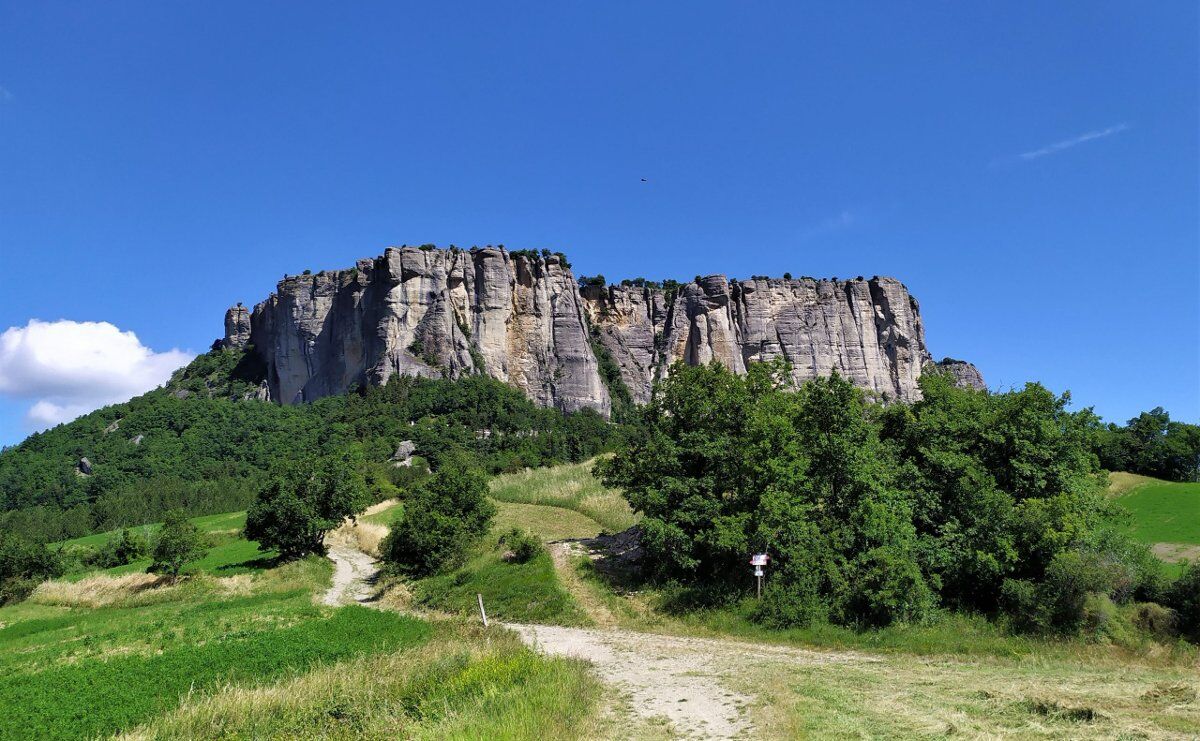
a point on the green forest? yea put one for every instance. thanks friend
(204, 445)
(989, 503)
(872, 514)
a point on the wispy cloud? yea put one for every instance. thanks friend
(1065, 144)
(842, 220)
(5, 94)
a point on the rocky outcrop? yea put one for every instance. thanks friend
(416, 311)
(521, 318)
(237, 327)
(965, 374)
(404, 453)
(867, 330)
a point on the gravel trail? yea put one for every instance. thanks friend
(353, 574)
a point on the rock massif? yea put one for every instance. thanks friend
(521, 318)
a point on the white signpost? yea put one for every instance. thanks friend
(758, 561)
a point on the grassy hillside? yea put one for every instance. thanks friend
(571, 487)
(229, 553)
(199, 446)
(1165, 514)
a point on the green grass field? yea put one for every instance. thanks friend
(1164, 512)
(514, 592)
(255, 656)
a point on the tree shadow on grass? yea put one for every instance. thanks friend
(261, 562)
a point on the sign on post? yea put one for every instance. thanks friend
(758, 561)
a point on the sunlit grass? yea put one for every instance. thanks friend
(569, 486)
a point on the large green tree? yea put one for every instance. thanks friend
(297, 507)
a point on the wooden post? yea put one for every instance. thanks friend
(760, 587)
(482, 614)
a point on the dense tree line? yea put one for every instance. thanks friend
(872, 514)
(1152, 445)
(204, 445)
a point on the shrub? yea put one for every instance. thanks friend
(123, 549)
(443, 518)
(1184, 598)
(1071, 578)
(1020, 602)
(524, 546)
(886, 586)
(1154, 620)
(23, 565)
(178, 543)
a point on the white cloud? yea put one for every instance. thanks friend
(1057, 147)
(70, 368)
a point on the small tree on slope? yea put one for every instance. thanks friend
(295, 509)
(178, 544)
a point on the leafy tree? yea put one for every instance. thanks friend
(23, 565)
(443, 518)
(1153, 445)
(296, 508)
(1184, 599)
(179, 543)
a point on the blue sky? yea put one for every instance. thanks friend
(1029, 170)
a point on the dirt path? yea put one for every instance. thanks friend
(562, 554)
(688, 681)
(353, 574)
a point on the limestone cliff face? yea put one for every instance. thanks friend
(431, 312)
(522, 319)
(867, 330)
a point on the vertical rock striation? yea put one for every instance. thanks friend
(431, 312)
(522, 319)
(867, 330)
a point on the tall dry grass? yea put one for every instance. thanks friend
(100, 590)
(570, 486)
(363, 535)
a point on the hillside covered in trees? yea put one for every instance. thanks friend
(205, 444)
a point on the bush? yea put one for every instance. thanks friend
(1072, 577)
(1022, 605)
(23, 565)
(443, 518)
(1184, 598)
(524, 546)
(887, 587)
(120, 550)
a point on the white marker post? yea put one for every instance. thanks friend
(482, 614)
(758, 561)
